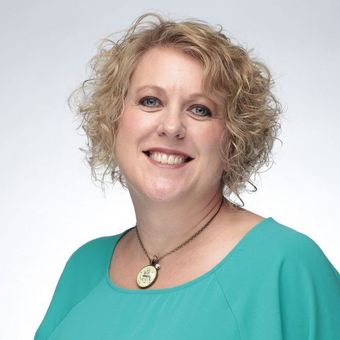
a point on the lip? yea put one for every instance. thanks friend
(168, 152)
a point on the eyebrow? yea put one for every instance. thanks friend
(160, 89)
(151, 87)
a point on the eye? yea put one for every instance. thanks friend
(149, 102)
(201, 110)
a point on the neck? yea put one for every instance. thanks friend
(165, 225)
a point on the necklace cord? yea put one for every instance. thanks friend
(156, 259)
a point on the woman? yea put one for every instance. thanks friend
(183, 118)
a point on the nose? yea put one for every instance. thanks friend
(171, 124)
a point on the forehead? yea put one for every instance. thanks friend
(169, 68)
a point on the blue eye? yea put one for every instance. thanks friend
(201, 110)
(149, 102)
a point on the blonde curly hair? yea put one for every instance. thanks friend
(238, 81)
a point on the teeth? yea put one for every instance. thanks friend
(166, 159)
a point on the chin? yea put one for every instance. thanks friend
(162, 190)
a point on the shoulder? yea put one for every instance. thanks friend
(293, 253)
(93, 251)
(92, 258)
(82, 272)
(285, 277)
(271, 247)
(306, 280)
(288, 242)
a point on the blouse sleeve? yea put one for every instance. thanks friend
(84, 269)
(60, 304)
(310, 295)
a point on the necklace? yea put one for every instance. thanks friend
(148, 274)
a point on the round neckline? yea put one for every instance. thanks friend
(184, 285)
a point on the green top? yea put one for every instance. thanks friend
(275, 284)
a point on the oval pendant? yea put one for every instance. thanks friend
(147, 276)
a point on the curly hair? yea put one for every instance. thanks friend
(241, 83)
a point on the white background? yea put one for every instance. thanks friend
(49, 205)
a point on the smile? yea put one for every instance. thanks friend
(167, 159)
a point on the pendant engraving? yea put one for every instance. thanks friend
(147, 276)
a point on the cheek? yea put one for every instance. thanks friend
(210, 141)
(133, 128)
(134, 123)
(126, 129)
(127, 124)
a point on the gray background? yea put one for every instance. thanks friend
(49, 206)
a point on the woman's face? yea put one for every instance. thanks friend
(169, 133)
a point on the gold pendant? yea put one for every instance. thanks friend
(148, 274)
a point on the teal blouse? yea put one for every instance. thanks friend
(276, 284)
